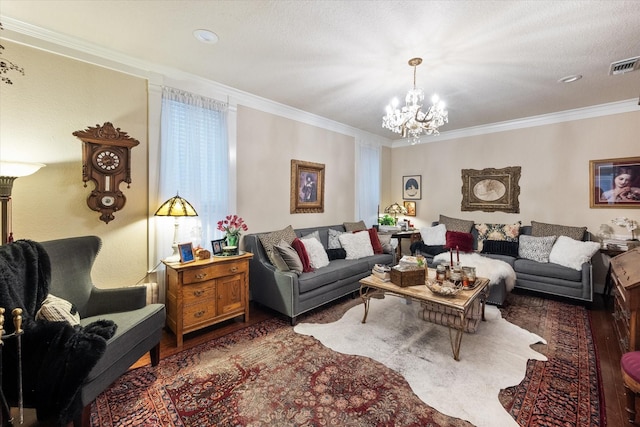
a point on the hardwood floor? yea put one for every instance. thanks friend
(603, 335)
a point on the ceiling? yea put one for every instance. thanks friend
(491, 61)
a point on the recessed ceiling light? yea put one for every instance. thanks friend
(205, 36)
(570, 79)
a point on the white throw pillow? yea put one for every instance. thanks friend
(434, 236)
(55, 309)
(318, 257)
(357, 245)
(572, 253)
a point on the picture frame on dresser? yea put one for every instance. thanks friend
(614, 183)
(186, 252)
(217, 245)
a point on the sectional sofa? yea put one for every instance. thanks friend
(291, 293)
(547, 258)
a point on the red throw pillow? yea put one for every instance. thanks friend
(302, 253)
(375, 241)
(462, 241)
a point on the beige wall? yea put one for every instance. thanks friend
(554, 184)
(266, 145)
(38, 115)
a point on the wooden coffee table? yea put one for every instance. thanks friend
(458, 306)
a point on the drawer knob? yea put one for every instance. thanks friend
(198, 293)
(201, 275)
(233, 269)
(199, 313)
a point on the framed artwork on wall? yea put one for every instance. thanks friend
(186, 252)
(412, 187)
(491, 190)
(614, 183)
(410, 207)
(307, 187)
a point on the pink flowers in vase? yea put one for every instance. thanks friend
(232, 225)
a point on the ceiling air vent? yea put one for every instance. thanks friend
(624, 66)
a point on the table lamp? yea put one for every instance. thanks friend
(395, 209)
(175, 207)
(9, 171)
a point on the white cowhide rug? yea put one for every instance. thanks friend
(493, 358)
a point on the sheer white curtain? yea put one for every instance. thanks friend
(368, 179)
(194, 163)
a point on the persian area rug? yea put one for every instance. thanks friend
(268, 375)
(491, 359)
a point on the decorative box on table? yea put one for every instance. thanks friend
(404, 276)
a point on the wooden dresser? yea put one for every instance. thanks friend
(206, 292)
(625, 277)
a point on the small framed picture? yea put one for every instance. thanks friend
(217, 245)
(412, 187)
(186, 252)
(410, 207)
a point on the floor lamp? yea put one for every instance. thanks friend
(175, 207)
(9, 171)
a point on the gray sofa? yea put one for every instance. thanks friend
(548, 278)
(63, 268)
(292, 294)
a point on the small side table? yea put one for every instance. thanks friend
(412, 235)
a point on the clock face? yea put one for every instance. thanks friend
(107, 160)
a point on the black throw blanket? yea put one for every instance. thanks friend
(56, 357)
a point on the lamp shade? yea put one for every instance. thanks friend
(395, 209)
(18, 169)
(176, 206)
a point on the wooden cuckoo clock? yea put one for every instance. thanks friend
(106, 160)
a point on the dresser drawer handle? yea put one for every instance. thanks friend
(199, 313)
(233, 269)
(198, 293)
(201, 276)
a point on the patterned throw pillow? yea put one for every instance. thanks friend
(357, 245)
(540, 229)
(355, 226)
(269, 240)
(55, 309)
(507, 232)
(536, 248)
(334, 242)
(455, 224)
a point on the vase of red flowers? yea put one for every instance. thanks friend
(232, 225)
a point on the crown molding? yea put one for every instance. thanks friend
(608, 109)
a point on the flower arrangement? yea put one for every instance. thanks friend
(232, 225)
(630, 224)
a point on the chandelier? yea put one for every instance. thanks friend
(411, 121)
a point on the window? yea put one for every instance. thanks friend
(194, 163)
(368, 183)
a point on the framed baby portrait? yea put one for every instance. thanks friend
(614, 183)
(412, 187)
